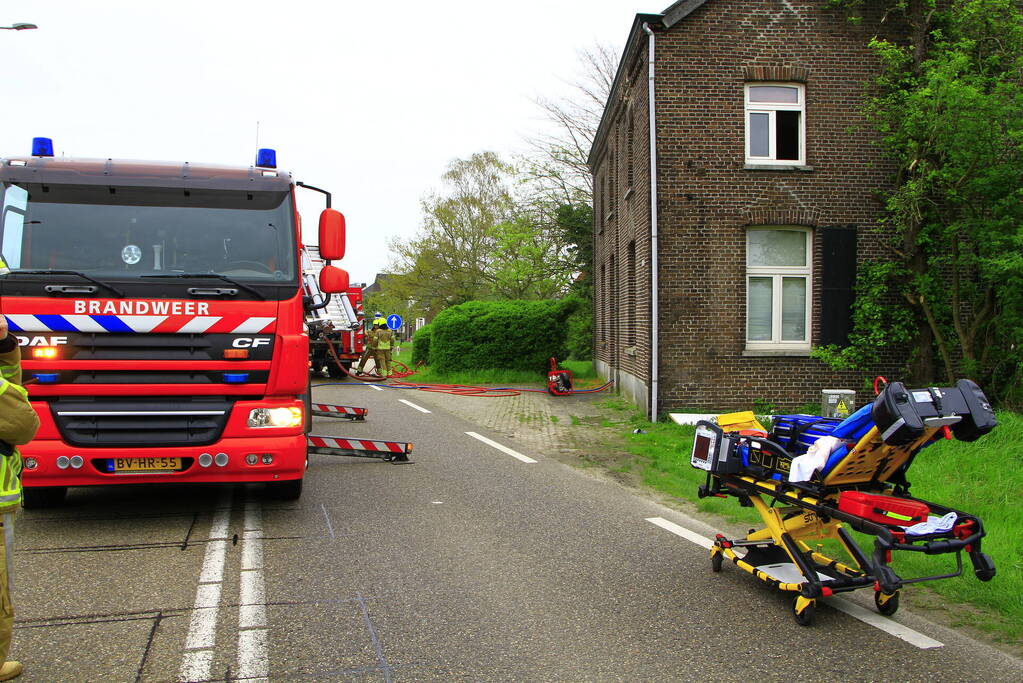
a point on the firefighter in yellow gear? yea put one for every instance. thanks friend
(18, 424)
(385, 340)
(369, 351)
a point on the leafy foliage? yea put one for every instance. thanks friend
(480, 241)
(421, 345)
(948, 105)
(514, 335)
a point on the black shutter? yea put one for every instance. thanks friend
(838, 276)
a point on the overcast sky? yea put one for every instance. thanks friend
(368, 100)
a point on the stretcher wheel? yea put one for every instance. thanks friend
(983, 566)
(890, 606)
(715, 561)
(804, 617)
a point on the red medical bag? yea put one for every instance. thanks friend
(883, 509)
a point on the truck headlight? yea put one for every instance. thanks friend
(275, 417)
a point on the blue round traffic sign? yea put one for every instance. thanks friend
(394, 321)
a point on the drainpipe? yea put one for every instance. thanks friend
(654, 331)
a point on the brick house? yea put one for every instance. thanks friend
(764, 179)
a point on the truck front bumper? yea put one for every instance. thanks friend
(242, 459)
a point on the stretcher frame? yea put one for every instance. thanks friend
(795, 513)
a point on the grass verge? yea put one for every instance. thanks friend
(583, 372)
(984, 478)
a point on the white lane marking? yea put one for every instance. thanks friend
(884, 623)
(373, 386)
(413, 405)
(253, 635)
(213, 563)
(252, 659)
(194, 664)
(852, 609)
(681, 531)
(197, 660)
(503, 449)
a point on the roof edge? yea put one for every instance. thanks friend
(680, 10)
(631, 46)
(665, 20)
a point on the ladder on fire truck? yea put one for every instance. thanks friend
(338, 311)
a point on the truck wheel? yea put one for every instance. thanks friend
(38, 497)
(337, 373)
(284, 490)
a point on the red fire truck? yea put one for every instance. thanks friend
(160, 311)
(336, 335)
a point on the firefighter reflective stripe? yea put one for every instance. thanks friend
(10, 465)
(4, 384)
(8, 371)
(384, 338)
(10, 485)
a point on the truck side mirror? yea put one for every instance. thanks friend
(333, 279)
(332, 235)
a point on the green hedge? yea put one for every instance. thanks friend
(421, 345)
(512, 335)
(580, 330)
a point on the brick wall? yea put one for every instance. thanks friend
(707, 198)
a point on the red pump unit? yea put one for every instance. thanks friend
(559, 382)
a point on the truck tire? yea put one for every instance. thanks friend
(337, 373)
(38, 497)
(284, 490)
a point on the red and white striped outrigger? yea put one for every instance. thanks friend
(392, 451)
(353, 413)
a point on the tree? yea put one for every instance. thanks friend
(556, 167)
(948, 105)
(479, 240)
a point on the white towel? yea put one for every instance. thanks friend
(933, 525)
(816, 457)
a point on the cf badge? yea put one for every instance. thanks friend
(250, 342)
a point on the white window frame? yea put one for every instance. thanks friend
(772, 111)
(777, 273)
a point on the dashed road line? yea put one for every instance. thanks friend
(885, 624)
(413, 405)
(503, 449)
(253, 635)
(681, 531)
(200, 642)
(373, 386)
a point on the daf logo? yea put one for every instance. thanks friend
(40, 341)
(250, 342)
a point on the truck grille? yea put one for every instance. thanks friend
(143, 347)
(149, 422)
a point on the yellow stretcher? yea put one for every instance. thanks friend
(861, 485)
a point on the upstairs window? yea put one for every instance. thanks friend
(778, 269)
(775, 124)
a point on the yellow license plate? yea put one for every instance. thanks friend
(146, 464)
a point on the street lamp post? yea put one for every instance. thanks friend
(18, 27)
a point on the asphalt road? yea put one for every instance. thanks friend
(468, 565)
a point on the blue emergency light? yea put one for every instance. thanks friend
(266, 158)
(47, 377)
(236, 377)
(42, 147)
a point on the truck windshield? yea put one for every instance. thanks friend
(128, 232)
